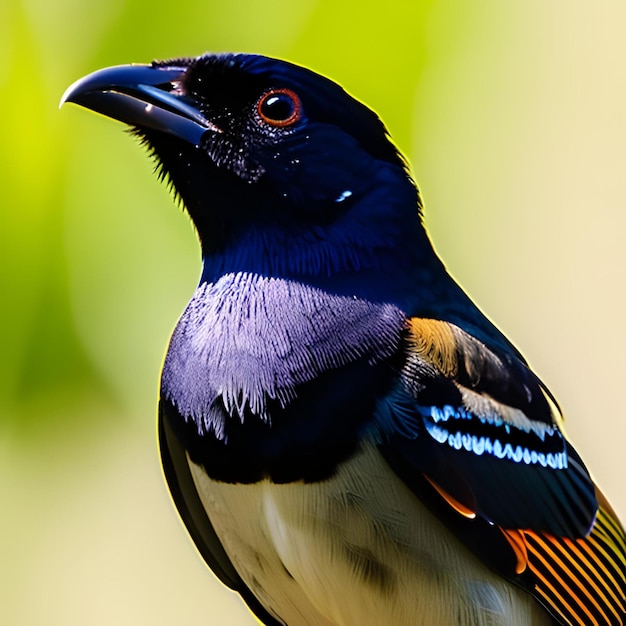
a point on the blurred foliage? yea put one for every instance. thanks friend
(512, 115)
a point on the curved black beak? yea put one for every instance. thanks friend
(148, 96)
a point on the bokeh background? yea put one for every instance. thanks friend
(513, 116)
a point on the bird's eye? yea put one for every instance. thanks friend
(279, 107)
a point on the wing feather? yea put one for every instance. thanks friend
(583, 580)
(472, 430)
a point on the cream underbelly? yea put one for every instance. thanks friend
(356, 550)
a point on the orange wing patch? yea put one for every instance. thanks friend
(583, 581)
(451, 350)
(434, 341)
(518, 543)
(460, 508)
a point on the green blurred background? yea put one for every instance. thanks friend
(513, 116)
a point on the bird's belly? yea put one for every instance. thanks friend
(356, 549)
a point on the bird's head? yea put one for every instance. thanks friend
(280, 169)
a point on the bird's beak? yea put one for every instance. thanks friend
(145, 96)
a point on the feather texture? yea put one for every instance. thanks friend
(482, 431)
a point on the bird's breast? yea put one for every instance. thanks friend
(358, 548)
(265, 374)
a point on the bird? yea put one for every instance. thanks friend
(348, 439)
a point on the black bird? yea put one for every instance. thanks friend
(347, 438)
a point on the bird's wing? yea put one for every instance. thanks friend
(193, 514)
(581, 581)
(475, 433)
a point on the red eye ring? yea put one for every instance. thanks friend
(279, 107)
